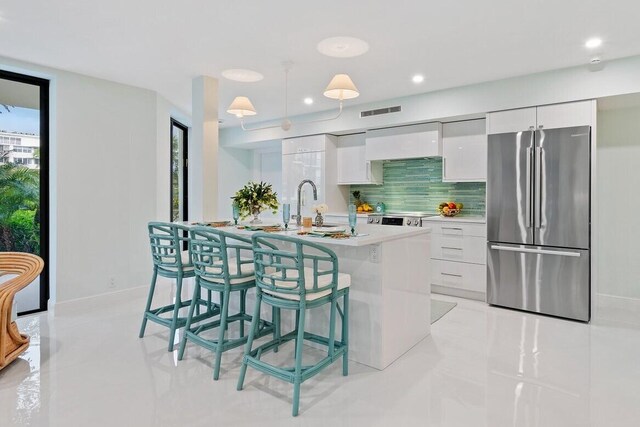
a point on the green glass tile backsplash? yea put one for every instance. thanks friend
(416, 185)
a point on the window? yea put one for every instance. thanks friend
(179, 165)
(23, 138)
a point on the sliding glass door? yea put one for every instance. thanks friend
(179, 171)
(24, 173)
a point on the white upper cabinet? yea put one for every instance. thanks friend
(315, 158)
(511, 120)
(405, 142)
(353, 167)
(545, 117)
(464, 151)
(566, 115)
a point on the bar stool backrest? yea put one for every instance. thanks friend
(166, 241)
(286, 264)
(213, 250)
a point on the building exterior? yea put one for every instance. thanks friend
(19, 148)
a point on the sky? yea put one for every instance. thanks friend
(19, 119)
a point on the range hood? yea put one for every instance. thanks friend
(404, 142)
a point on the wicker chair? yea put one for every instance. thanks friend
(27, 267)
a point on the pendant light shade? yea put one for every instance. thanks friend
(241, 106)
(341, 87)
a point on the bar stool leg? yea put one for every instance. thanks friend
(192, 308)
(152, 289)
(345, 334)
(243, 310)
(298, 366)
(252, 332)
(176, 309)
(223, 329)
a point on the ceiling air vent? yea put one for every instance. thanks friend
(379, 111)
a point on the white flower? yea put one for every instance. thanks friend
(321, 208)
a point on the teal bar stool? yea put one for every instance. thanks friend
(170, 261)
(217, 271)
(303, 277)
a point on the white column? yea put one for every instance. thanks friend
(203, 150)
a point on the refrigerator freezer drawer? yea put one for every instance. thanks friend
(539, 279)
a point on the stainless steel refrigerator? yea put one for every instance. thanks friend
(538, 221)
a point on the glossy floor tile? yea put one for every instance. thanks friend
(482, 366)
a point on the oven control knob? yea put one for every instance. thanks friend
(370, 220)
(408, 222)
(415, 222)
(377, 220)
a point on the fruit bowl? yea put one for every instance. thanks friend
(450, 212)
(449, 208)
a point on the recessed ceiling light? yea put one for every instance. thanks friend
(594, 42)
(241, 75)
(308, 100)
(418, 78)
(343, 47)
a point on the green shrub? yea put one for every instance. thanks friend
(21, 233)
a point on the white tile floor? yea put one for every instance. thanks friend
(482, 366)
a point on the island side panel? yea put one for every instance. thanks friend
(365, 306)
(406, 295)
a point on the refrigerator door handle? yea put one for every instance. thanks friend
(538, 189)
(527, 196)
(536, 251)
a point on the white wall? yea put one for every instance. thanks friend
(109, 177)
(618, 178)
(235, 170)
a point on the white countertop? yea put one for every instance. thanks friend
(371, 234)
(460, 218)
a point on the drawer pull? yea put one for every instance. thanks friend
(452, 275)
(452, 228)
(452, 248)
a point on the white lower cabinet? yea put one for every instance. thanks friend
(458, 258)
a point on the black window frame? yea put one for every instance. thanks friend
(185, 169)
(43, 85)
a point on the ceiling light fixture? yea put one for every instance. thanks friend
(308, 100)
(340, 87)
(593, 43)
(418, 78)
(343, 47)
(241, 75)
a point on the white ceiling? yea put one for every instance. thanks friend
(162, 44)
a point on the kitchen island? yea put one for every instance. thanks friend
(390, 304)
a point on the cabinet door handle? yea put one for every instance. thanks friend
(451, 274)
(444, 167)
(368, 167)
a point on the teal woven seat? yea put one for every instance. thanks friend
(170, 261)
(222, 263)
(298, 276)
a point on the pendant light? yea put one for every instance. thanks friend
(340, 87)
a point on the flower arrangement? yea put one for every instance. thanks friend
(254, 198)
(321, 208)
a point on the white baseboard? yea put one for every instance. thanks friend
(611, 308)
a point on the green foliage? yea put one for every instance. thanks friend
(19, 201)
(255, 198)
(25, 232)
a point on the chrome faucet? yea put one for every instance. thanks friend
(315, 197)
